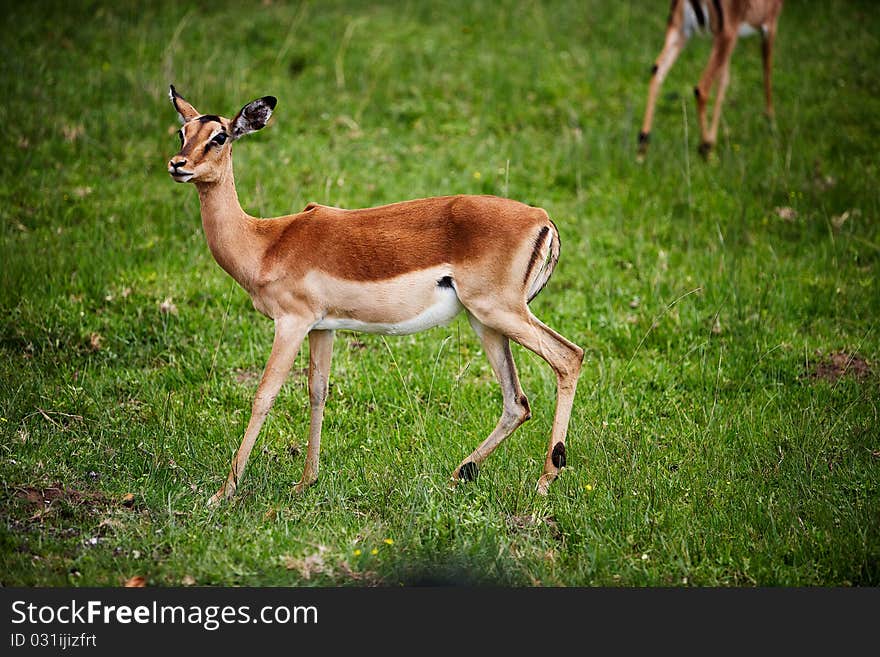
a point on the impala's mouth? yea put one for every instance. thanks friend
(180, 176)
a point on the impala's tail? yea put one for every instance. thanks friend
(547, 254)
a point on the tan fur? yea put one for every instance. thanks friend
(761, 15)
(391, 269)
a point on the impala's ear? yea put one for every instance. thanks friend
(185, 111)
(253, 116)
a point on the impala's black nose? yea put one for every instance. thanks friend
(175, 164)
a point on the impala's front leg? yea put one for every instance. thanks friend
(675, 41)
(289, 334)
(320, 355)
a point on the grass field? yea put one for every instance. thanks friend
(725, 431)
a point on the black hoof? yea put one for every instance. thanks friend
(468, 471)
(705, 149)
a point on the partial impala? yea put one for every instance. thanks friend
(725, 20)
(393, 269)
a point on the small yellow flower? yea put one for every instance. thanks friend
(388, 541)
(589, 487)
(357, 553)
(374, 551)
(477, 175)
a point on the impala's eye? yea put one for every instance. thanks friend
(220, 139)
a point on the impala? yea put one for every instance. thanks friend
(394, 269)
(726, 20)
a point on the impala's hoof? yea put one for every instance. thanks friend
(706, 149)
(644, 140)
(226, 492)
(303, 485)
(544, 483)
(468, 471)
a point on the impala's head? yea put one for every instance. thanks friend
(206, 139)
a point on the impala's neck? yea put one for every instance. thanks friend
(229, 230)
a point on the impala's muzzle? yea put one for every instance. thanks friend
(177, 170)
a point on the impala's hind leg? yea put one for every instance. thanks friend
(516, 406)
(768, 38)
(562, 355)
(723, 81)
(717, 70)
(320, 356)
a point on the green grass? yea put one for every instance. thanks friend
(701, 451)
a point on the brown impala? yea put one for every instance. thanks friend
(394, 269)
(726, 20)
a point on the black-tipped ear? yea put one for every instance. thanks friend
(253, 116)
(185, 111)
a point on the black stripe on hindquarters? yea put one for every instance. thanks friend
(698, 10)
(539, 242)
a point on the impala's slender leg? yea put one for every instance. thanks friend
(768, 37)
(563, 356)
(320, 355)
(567, 360)
(516, 405)
(723, 81)
(675, 41)
(289, 334)
(719, 65)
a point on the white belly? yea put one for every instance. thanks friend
(440, 313)
(692, 23)
(406, 304)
